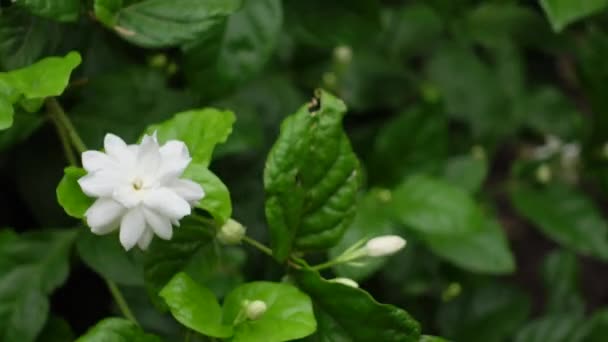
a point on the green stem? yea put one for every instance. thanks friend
(120, 301)
(325, 265)
(65, 141)
(263, 248)
(58, 113)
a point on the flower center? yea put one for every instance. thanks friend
(138, 184)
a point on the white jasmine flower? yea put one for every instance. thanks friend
(384, 245)
(138, 189)
(255, 310)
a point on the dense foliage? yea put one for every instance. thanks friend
(475, 130)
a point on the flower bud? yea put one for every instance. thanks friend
(543, 174)
(343, 54)
(345, 281)
(384, 245)
(255, 309)
(231, 233)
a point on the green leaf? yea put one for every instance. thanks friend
(432, 207)
(70, 195)
(201, 130)
(490, 314)
(311, 179)
(24, 39)
(562, 13)
(24, 125)
(466, 171)
(164, 259)
(158, 23)
(350, 314)
(195, 306)
(236, 50)
(428, 338)
(484, 251)
(288, 316)
(598, 326)
(565, 215)
(60, 10)
(423, 151)
(125, 103)
(47, 77)
(31, 267)
(341, 23)
(117, 330)
(373, 218)
(6, 113)
(217, 197)
(562, 327)
(560, 273)
(56, 330)
(107, 257)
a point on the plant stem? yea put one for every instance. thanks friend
(260, 246)
(58, 113)
(325, 265)
(65, 141)
(120, 300)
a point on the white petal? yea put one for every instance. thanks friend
(188, 190)
(104, 215)
(159, 224)
(98, 184)
(114, 145)
(127, 196)
(95, 160)
(148, 156)
(167, 203)
(145, 239)
(132, 227)
(175, 159)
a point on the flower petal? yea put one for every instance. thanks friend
(175, 159)
(127, 196)
(104, 216)
(114, 145)
(132, 227)
(145, 239)
(159, 224)
(188, 190)
(98, 184)
(148, 156)
(167, 203)
(95, 160)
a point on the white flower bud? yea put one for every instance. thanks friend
(343, 54)
(255, 309)
(543, 174)
(345, 281)
(384, 245)
(231, 233)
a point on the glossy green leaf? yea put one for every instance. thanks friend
(565, 215)
(106, 256)
(31, 267)
(164, 258)
(195, 306)
(561, 13)
(217, 197)
(236, 50)
(117, 330)
(288, 316)
(433, 207)
(351, 314)
(466, 171)
(158, 23)
(341, 23)
(311, 179)
(60, 10)
(6, 113)
(491, 313)
(562, 327)
(47, 77)
(56, 329)
(24, 38)
(373, 218)
(70, 195)
(201, 130)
